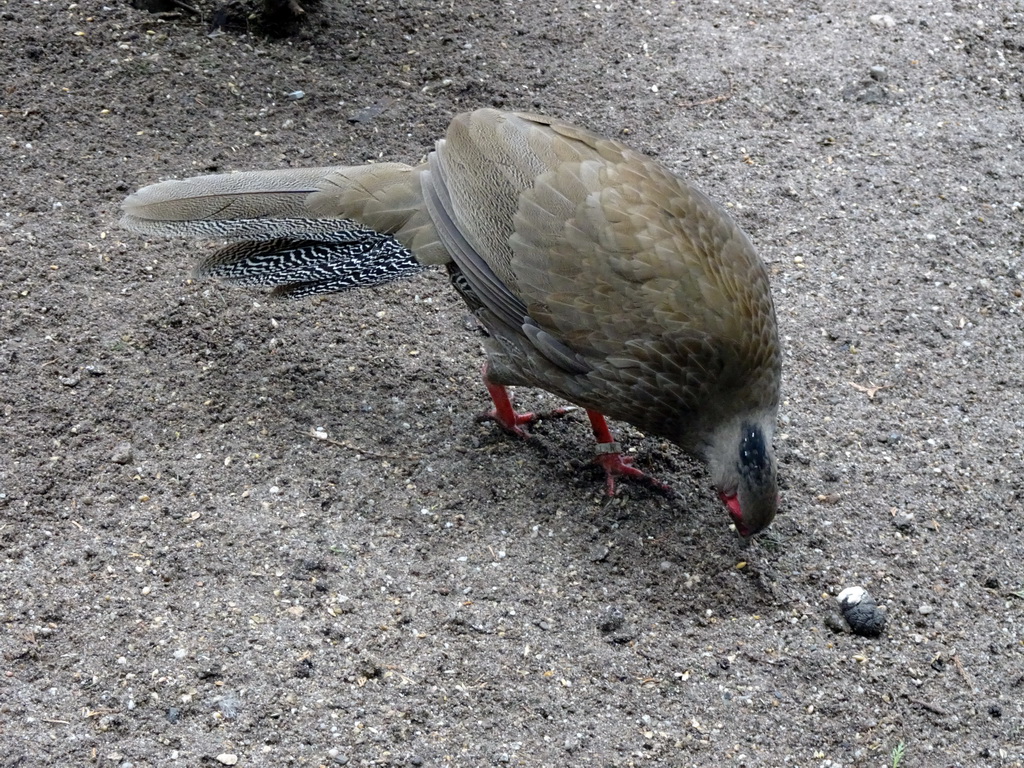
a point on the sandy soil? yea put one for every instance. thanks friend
(189, 576)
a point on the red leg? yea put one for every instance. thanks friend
(503, 412)
(506, 415)
(610, 458)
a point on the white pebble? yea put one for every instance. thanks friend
(851, 595)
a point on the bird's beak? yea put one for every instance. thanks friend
(732, 503)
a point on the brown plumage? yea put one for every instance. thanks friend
(598, 274)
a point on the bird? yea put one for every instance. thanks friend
(597, 274)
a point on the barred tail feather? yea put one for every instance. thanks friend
(305, 266)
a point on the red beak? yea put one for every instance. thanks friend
(732, 503)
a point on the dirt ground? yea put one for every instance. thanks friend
(236, 530)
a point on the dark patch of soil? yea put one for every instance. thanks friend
(187, 572)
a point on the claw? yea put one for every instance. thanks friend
(506, 415)
(609, 453)
(610, 459)
(616, 465)
(514, 424)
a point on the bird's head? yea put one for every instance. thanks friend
(742, 465)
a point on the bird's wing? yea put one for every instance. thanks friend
(642, 257)
(609, 253)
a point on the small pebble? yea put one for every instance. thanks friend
(882, 20)
(227, 758)
(903, 522)
(878, 73)
(229, 707)
(861, 612)
(122, 453)
(612, 620)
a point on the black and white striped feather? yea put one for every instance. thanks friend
(306, 257)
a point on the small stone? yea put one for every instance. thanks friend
(872, 93)
(836, 623)
(861, 612)
(882, 20)
(612, 620)
(926, 609)
(122, 453)
(903, 522)
(226, 758)
(229, 706)
(878, 73)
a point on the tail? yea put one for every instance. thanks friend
(305, 231)
(298, 267)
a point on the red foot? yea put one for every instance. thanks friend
(609, 453)
(610, 459)
(506, 415)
